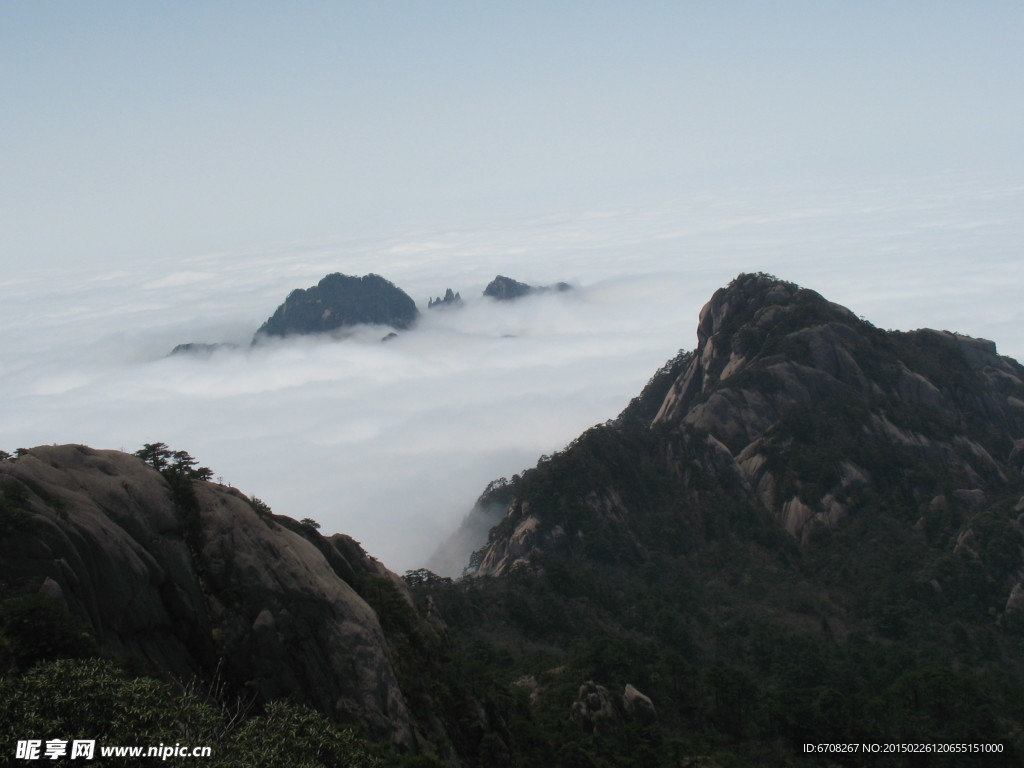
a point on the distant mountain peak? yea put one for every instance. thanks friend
(506, 289)
(450, 299)
(339, 301)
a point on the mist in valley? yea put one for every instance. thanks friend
(392, 442)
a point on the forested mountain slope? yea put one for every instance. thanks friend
(805, 530)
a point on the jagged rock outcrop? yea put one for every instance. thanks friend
(506, 289)
(450, 299)
(525, 538)
(596, 711)
(202, 582)
(339, 301)
(779, 369)
(593, 709)
(529, 684)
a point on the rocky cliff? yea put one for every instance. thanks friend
(201, 582)
(808, 412)
(339, 301)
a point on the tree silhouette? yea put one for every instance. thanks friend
(172, 463)
(156, 455)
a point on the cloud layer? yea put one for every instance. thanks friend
(391, 443)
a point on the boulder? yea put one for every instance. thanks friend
(637, 706)
(593, 709)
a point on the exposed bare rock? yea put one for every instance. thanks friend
(593, 709)
(190, 588)
(795, 515)
(638, 706)
(529, 683)
(767, 350)
(526, 538)
(1015, 602)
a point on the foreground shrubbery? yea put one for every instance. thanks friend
(95, 700)
(53, 686)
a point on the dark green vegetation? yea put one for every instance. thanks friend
(93, 699)
(748, 645)
(13, 512)
(339, 301)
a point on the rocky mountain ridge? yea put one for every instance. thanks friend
(340, 302)
(802, 406)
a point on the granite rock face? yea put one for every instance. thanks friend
(216, 585)
(798, 409)
(340, 301)
(778, 369)
(638, 706)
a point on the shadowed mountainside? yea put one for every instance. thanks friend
(806, 530)
(339, 301)
(809, 413)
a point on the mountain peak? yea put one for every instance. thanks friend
(339, 301)
(803, 410)
(751, 297)
(748, 320)
(506, 289)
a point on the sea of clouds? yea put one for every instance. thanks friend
(391, 443)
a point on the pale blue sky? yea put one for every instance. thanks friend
(148, 131)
